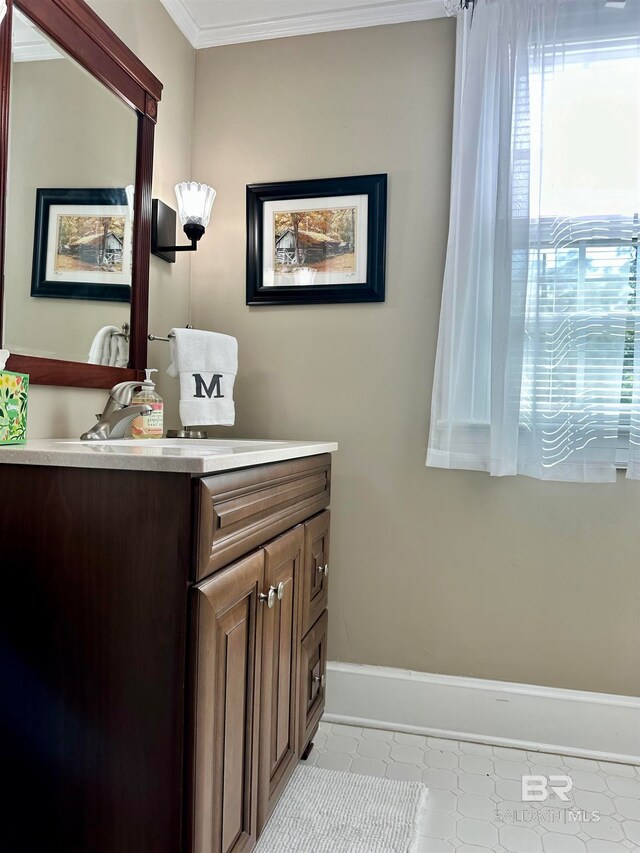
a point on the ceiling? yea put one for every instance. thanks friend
(207, 23)
(29, 44)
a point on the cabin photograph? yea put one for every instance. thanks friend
(323, 240)
(90, 243)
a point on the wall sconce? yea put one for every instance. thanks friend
(194, 209)
(130, 193)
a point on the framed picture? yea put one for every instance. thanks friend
(82, 245)
(317, 241)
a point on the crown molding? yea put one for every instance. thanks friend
(34, 52)
(183, 19)
(29, 44)
(374, 15)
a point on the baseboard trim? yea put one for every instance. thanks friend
(601, 726)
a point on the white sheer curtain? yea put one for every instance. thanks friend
(538, 361)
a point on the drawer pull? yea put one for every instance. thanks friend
(268, 598)
(320, 679)
(280, 590)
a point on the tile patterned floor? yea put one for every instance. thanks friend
(475, 793)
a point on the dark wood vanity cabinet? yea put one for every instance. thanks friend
(225, 715)
(311, 684)
(315, 586)
(164, 653)
(280, 642)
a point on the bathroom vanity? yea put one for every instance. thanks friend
(164, 626)
(163, 618)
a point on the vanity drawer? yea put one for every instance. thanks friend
(315, 572)
(313, 671)
(241, 510)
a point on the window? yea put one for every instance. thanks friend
(583, 119)
(538, 362)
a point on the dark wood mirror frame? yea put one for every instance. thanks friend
(83, 35)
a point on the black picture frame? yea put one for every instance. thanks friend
(372, 290)
(40, 285)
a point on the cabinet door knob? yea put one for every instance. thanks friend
(280, 590)
(320, 679)
(268, 598)
(324, 570)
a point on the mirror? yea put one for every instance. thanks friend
(77, 116)
(68, 250)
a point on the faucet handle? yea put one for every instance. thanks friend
(123, 392)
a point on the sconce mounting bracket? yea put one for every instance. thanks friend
(163, 231)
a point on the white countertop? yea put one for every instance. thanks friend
(185, 456)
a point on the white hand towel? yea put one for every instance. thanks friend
(207, 364)
(100, 351)
(122, 350)
(112, 346)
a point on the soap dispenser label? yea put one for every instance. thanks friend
(151, 425)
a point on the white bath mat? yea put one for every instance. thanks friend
(327, 811)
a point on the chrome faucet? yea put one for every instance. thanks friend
(118, 414)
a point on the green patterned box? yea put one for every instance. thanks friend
(14, 391)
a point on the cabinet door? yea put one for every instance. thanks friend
(278, 727)
(315, 580)
(227, 625)
(313, 668)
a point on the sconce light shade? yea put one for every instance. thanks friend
(194, 209)
(130, 192)
(194, 203)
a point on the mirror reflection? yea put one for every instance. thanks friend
(69, 236)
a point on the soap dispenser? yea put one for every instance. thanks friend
(151, 425)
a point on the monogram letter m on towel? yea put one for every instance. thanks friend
(202, 388)
(207, 364)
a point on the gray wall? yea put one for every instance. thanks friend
(440, 571)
